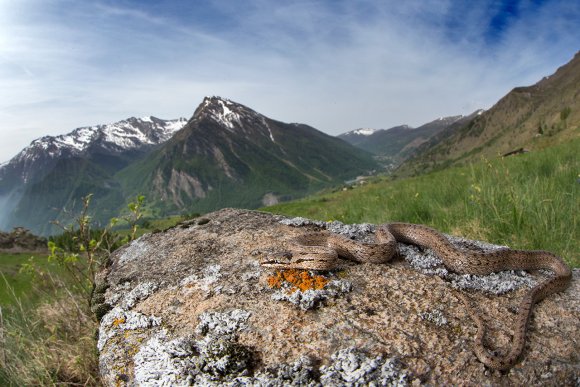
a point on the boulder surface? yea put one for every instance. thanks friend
(192, 305)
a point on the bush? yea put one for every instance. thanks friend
(48, 337)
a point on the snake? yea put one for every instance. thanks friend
(323, 251)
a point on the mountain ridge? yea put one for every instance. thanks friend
(244, 148)
(398, 143)
(129, 134)
(226, 154)
(536, 116)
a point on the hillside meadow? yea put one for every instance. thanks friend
(528, 201)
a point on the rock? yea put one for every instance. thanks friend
(21, 240)
(193, 306)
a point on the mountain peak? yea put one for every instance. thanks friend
(364, 131)
(223, 111)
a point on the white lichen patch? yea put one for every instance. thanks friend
(312, 298)
(494, 283)
(300, 222)
(219, 357)
(464, 243)
(434, 316)
(222, 323)
(211, 275)
(139, 293)
(164, 362)
(299, 373)
(134, 250)
(427, 262)
(253, 272)
(363, 232)
(351, 367)
(119, 320)
(206, 281)
(215, 359)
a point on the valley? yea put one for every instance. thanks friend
(447, 173)
(192, 193)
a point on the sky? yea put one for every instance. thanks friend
(336, 65)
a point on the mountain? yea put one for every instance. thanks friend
(531, 117)
(53, 170)
(357, 136)
(230, 155)
(225, 155)
(116, 140)
(399, 142)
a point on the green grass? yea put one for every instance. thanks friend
(13, 283)
(529, 201)
(48, 331)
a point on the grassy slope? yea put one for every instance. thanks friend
(531, 117)
(12, 282)
(530, 201)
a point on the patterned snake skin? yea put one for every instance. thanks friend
(321, 251)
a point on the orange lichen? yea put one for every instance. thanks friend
(297, 279)
(118, 321)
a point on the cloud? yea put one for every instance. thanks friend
(335, 65)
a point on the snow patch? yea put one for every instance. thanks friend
(364, 131)
(226, 116)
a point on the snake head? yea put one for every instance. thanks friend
(297, 260)
(277, 260)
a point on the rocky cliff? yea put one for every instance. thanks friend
(192, 305)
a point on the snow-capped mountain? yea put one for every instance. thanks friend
(232, 155)
(360, 132)
(226, 154)
(132, 134)
(233, 116)
(396, 142)
(87, 156)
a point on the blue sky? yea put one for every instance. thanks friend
(335, 65)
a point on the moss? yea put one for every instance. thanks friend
(100, 310)
(98, 298)
(100, 287)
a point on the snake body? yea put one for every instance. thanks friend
(322, 250)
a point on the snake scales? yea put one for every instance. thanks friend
(321, 251)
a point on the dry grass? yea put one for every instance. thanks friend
(51, 342)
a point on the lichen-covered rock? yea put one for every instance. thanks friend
(192, 306)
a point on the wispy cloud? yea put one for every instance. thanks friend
(336, 65)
